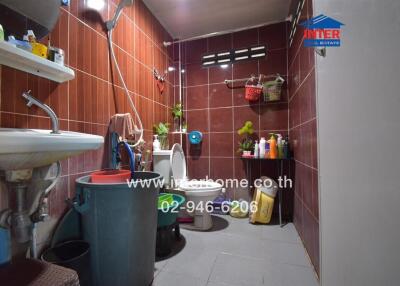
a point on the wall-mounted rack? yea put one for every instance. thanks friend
(25, 61)
(252, 78)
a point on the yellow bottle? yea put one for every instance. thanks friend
(273, 149)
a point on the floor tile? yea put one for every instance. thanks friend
(297, 275)
(237, 270)
(238, 254)
(196, 262)
(287, 233)
(169, 279)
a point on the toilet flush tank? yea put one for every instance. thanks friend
(162, 164)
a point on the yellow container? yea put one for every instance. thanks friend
(39, 50)
(264, 206)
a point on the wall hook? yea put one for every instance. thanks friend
(321, 51)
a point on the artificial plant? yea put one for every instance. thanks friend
(246, 144)
(177, 110)
(161, 129)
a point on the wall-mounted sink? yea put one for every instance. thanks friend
(31, 148)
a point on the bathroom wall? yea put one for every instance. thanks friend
(218, 112)
(86, 103)
(303, 139)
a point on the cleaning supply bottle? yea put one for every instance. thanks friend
(262, 147)
(273, 150)
(156, 144)
(1, 33)
(286, 148)
(256, 150)
(280, 146)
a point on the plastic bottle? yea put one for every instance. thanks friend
(256, 150)
(1, 33)
(280, 147)
(286, 148)
(262, 147)
(273, 150)
(156, 144)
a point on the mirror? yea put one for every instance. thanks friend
(18, 16)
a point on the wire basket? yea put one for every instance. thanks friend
(253, 89)
(272, 90)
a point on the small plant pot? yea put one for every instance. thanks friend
(164, 142)
(246, 154)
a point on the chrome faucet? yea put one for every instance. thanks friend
(33, 101)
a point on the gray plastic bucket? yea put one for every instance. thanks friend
(120, 224)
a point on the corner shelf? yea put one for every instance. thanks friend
(266, 159)
(25, 61)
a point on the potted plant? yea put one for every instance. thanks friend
(246, 145)
(177, 114)
(162, 130)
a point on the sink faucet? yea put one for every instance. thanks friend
(33, 101)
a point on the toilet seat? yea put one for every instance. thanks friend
(204, 185)
(178, 167)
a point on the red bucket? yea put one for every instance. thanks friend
(110, 176)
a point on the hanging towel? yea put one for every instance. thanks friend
(123, 125)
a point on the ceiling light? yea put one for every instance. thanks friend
(224, 66)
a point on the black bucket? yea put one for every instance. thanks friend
(72, 254)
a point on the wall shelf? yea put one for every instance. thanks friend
(25, 61)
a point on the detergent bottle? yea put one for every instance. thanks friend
(273, 152)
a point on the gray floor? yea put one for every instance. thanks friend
(238, 254)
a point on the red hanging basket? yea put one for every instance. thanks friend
(252, 91)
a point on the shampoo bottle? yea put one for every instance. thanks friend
(256, 150)
(273, 150)
(280, 147)
(262, 147)
(156, 144)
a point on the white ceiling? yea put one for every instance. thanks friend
(190, 18)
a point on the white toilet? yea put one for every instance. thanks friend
(171, 164)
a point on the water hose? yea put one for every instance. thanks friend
(110, 43)
(131, 156)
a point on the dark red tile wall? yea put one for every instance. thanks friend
(303, 138)
(86, 103)
(218, 112)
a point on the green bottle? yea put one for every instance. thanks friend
(1, 33)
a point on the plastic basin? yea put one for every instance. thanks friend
(110, 176)
(169, 210)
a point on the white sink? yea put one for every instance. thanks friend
(31, 148)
